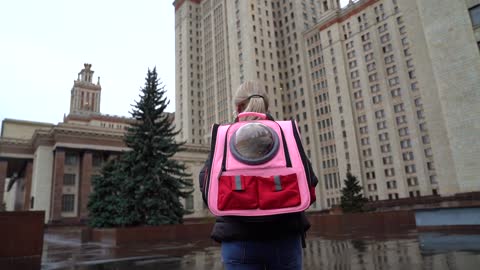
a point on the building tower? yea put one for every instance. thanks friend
(85, 95)
(220, 44)
(366, 83)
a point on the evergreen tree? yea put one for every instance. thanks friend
(104, 200)
(155, 181)
(352, 198)
(144, 186)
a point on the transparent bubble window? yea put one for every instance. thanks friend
(254, 143)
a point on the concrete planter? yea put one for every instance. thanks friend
(123, 236)
(21, 235)
(377, 222)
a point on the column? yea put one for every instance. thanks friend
(85, 184)
(28, 185)
(57, 187)
(3, 177)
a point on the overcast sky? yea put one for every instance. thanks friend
(44, 44)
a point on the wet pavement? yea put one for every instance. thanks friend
(407, 250)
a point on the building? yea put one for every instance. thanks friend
(370, 85)
(50, 166)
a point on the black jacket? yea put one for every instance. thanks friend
(231, 228)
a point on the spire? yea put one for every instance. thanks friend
(85, 95)
(86, 74)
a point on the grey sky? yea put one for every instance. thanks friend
(44, 44)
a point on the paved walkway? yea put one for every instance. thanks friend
(407, 250)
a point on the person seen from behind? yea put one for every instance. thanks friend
(266, 242)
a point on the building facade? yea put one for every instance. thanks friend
(385, 89)
(50, 166)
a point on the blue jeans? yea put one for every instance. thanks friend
(281, 254)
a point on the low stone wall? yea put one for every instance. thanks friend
(122, 236)
(21, 233)
(376, 222)
(21, 236)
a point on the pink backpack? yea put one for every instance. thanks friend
(258, 168)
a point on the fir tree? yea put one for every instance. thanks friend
(352, 198)
(144, 186)
(155, 181)
(104, 200)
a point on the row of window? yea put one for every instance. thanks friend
(72, 159)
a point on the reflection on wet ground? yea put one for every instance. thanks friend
(408, 250)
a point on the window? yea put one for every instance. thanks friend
(433, 179)
(385, 148)
(189, 202)
(418, 102)
(423, 126)
(420, 114)
(381, 125)
(375, 88)
(356, 84)
(359, 105)
(393, 81)
(70, 159)
(380, 114)
(395, 92)
(414, 86)
(368, 57)
(399, 108)
(364, 130)
(391, 70)
(403, 131)
(365, 141)
(428, 152)
(407, 156)
(412, 181)
(402, 119)
(383, 137)
(367, 152)
(385, 38)
(357, 94)
(389, 172)
(387, 160)
(68, 202)
(410, 168)
(69, 179)
(406, 143)
(354, 74)
(367, 46)
(389, 59)
(370, 175)
(475, 15)
(368, 163)
(391, 185)
(362, 118)
(388, 48)
(377, 99)
(97, 160)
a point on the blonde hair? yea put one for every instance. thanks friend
(251, 97)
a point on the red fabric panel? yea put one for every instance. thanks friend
(270, 198)
(231, 199)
